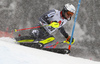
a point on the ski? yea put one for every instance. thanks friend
(30, 42)
(33, 45)
(41, 46)
(58, 50)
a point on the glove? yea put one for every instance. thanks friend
(54, 24)
(68, 40)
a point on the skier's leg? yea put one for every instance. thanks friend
(47, 40)
(35, 32)
(42, 35)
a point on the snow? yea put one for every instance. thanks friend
(12, 53)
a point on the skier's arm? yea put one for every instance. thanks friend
(63, 32)
(45, 17)
(66, 36)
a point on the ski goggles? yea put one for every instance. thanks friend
(70, 13)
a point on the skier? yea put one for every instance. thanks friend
(51, 21)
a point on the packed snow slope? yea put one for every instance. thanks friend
(12, 53)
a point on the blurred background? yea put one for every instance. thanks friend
(18, 14)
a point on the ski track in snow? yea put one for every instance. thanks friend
(12, 53)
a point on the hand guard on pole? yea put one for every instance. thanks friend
(68, 40)
(54, 24)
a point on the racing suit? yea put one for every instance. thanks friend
(45, 31)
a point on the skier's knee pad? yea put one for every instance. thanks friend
(47, 40)
(35, 33)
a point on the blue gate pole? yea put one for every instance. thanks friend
(74, 24)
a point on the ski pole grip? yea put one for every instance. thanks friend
(15, 30)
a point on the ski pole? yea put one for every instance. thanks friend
(53, 24)
(30, 28)
(74, 24)
(26, 28)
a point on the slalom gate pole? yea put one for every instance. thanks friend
(74, 24)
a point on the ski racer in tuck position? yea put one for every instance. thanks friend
(51, 21)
